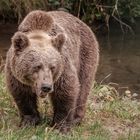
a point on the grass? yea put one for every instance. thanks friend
(108, 117)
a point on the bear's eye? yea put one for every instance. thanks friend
(52, 69)
(37, 68)
(27, 78)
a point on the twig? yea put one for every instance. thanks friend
(119, 19)
(105, 6)
(113, 14)
(2, 64)
(79, 7)
(105, 78)
(123, 23)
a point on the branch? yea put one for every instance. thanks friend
(119, 19)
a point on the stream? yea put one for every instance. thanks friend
(119, 56)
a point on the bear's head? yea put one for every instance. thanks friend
(37, 61)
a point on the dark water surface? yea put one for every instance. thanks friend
(119, 56)
(6, 32)
(120, 61)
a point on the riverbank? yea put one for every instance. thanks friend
(109, 116)
(119, 56)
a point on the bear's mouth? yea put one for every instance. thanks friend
(39, 93)
(42, 94)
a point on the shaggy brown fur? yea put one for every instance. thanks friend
(59, 50)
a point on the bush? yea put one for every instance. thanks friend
(87, 10)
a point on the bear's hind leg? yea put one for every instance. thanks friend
(89, 58)
(86, 78)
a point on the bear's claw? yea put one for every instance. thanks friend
(30, 120)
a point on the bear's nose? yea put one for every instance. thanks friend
(46, 88)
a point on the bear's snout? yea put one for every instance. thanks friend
(46, 88)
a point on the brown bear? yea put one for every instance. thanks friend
(54, 54)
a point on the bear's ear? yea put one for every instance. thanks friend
(58, 41)
(20, 41)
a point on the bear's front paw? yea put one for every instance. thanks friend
(30, 120)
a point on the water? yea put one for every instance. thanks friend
(6, 32)
(119, 57)
(120, 61)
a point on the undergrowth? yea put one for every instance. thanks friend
(108, 117)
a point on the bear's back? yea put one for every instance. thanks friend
(81, 41)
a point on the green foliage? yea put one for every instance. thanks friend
(16, 9)
(87, 10)
(129, 9)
